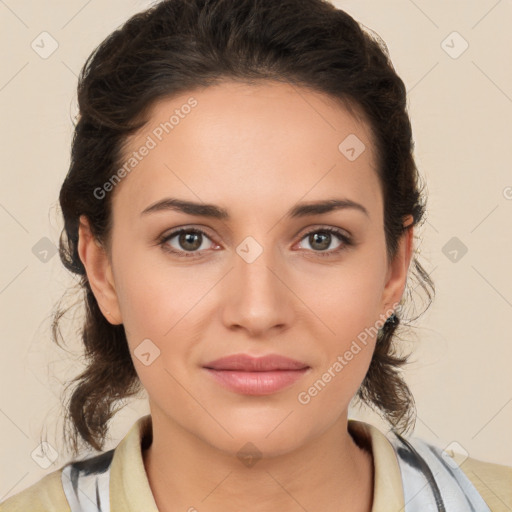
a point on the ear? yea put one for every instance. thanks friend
(99, 272)
(396, 277)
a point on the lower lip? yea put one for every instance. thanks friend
(256, 383)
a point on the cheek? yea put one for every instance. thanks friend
(153, 296)
(330, 390)
(164, 317)
(334, 383)
(349, 309)
(347, 301)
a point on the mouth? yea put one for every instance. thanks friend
(249, 375)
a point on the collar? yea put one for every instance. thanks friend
(130, 490)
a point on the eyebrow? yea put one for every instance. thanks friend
(216, 212)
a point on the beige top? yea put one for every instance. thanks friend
(130, 490)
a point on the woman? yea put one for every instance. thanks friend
(240, 205)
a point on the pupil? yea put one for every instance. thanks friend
(326, 240)
(192, 241)
(187, 241)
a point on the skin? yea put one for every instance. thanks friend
(255, 150)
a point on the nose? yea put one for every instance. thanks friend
(258, 298)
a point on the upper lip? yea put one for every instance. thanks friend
(247, 363)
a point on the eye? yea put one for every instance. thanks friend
(320, 240)
(189, 241)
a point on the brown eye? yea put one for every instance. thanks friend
(189, 241)
(320, 240)
(183, 241)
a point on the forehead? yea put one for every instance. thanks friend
(248, 146)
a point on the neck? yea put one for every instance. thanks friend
(330, 472)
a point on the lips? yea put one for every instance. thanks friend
(248, 363)
(249, 375)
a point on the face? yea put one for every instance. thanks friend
(256, 273)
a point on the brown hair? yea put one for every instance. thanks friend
(178, 46)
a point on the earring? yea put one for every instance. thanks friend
(390, 320)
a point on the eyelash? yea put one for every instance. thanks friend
(347, 242)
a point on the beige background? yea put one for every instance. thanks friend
(461, 110)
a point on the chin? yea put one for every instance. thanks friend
(255, 446)
(267, 434)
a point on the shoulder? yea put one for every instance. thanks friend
(46, 495)
(75, 486)
(452, 478)
(492, 481)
